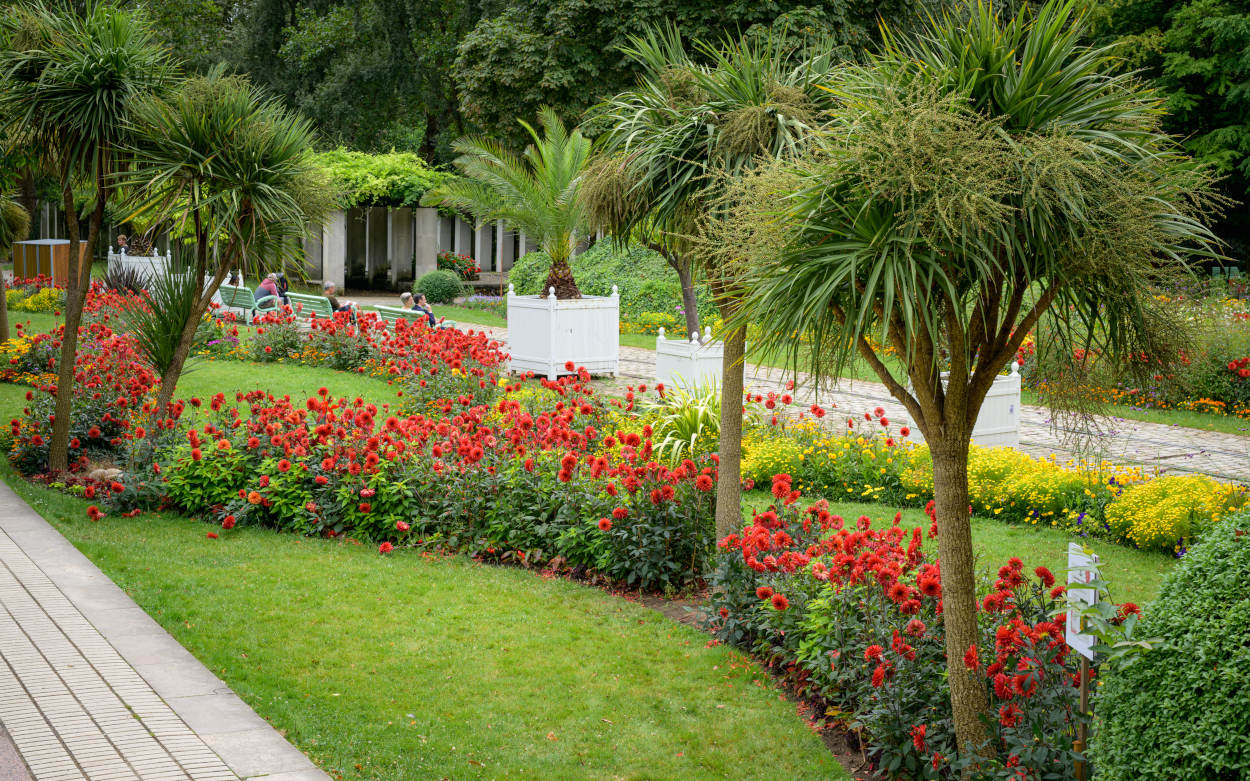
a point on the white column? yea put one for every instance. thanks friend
(334, 249)
(481, 246)
(464, 237)
(425, 240)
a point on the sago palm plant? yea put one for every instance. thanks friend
(537, 191)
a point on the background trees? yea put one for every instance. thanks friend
(1194, 52)
(973, 182)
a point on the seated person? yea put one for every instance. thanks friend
(268, 288)
(422, 305)
(335, 305)
(280, 278)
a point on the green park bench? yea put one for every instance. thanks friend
(233, 297)
(392, 313)
(307, 305)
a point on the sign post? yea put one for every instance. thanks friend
(1082, 568)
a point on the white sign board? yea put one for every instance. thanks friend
(1082, 568)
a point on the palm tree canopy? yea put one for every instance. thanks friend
(970, 181)
(689, 127)
(221, 153)
(536, 191)
(69, 79)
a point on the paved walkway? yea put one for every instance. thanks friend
(92, 688)
(1164, 447)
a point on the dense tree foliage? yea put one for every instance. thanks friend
(1197, 53)
(414, 75)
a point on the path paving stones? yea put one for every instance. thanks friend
(92, 688)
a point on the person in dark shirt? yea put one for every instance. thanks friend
(335, 305)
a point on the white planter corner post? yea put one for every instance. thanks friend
(998, 423)
(545, 334)
(689, 364)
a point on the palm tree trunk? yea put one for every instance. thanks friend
(688, 302)
(76, 286)
(560, 277)
(4, 313)
(969, 702)
(729, 476)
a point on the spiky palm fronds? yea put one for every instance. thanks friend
(537, 191)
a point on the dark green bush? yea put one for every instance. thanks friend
(646, 283)
(1179, 710)
(440, 287)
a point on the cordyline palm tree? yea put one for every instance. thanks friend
(231, 169)
(14, 226)
(536, 191)
(973, 181)
(67, 81)
(675, 143)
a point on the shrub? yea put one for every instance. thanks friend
(1165, 513)
(646, 283)
(439, 287)
(1179, 711)
(462, 266)
(686, 423)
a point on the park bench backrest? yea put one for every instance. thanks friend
(307, 305)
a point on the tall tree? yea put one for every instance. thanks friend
(678, 140)
(235, 171)
(973, 181)
(1194, 52)
(69, 79)
(569, 54)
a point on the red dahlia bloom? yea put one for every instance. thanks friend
(605, 524)
(971, 658)
(385, 547)
(780, 602)
(763, 592)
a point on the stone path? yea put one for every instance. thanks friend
(1158, 446)
(92, 688)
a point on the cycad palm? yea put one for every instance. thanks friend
(537, 191)
(676, 143)
(971, 182)
(14, 226)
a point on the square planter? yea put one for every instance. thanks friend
(998, 424)
(689, 364)
(545, 333)
(149, 266)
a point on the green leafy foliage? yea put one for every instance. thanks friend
(646, 283)
(1194, 52)
(390, 179)
(439, 286)
(685, 423)
(1178, 710)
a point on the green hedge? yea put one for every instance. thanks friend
(393, 179)
(649, 288)
(1180, 711)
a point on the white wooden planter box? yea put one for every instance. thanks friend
(150, 266)
(545, 333)
(998, 424)
(689, 364)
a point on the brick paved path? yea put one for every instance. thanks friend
(1164, 447)
(92, 688)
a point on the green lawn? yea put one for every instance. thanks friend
(206, 378)
(412, 667)
(1134, 575)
